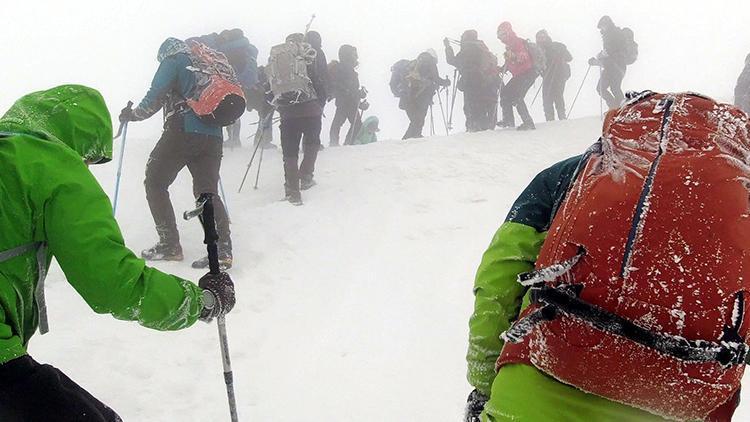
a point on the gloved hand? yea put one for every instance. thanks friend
(218, 295)
(362, 92)
(475, 406)
(594, 62)
(446, 42)
(364, 105)
(444, 82)
(127, 115)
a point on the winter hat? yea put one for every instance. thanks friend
(231, 34)
(469, 35)
(605, 22)
(314, 39)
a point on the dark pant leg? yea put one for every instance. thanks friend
(610, 85)
(164, 163)
(31, 392)
(338, 121)
(558, 97)
(355, 122)
(204, 164)
(291, 134)
(417, 114)
(508, 98)
(310, 146)
(548, 99)
(526, 81)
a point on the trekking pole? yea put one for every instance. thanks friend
(442, 113)
(453, 100)
(206, 208)
(258, 139)
(601, 98)
(432, 122)
(309, 24)
(257, 174)
(123, 130)
(570, 110)
(537, 93)
(224, 199)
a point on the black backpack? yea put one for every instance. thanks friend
(399, 84)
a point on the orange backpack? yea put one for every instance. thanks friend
(640, 288)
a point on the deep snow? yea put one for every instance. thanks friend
(352, 307)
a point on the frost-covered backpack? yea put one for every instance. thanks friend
(641, 287)
(287, 73)
(399, 85)
(630, 53)
(217, 97)
(537, 57)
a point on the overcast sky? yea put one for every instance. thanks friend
(111, 45)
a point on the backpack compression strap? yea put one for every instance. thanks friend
(41, 259)
(554, 301)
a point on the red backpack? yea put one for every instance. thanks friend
(640, 289)
(217, 98)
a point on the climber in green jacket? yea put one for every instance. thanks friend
(52, 206)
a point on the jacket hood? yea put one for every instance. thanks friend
(470, 35)
(605, 23)
(505, 31)
(74, 115)
(371, 123)
(171, 47)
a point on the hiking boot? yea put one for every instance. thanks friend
(294, 198)
(527, 126)
(225, 261)
(163, 252)
(307, 183)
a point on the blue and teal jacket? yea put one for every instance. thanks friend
(172, 83)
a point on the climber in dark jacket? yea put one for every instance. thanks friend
(347, 93)
(612, 61)
(422, 82)
(556, 75)
(742, 89)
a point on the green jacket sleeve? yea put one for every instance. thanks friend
(514, 250)
(498, 295)
(85, 239)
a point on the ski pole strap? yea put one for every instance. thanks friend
(41, 263)
(730, 350)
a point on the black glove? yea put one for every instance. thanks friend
(218, 295)
(362, 92)
(474, 406)
(364, 105)
(594, 62)
(127, 115)
(445, 82)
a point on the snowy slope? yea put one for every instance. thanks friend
(352, 307)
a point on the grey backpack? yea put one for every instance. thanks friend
(287, 73)
(537, 57)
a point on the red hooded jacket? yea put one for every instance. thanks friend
(517, 58)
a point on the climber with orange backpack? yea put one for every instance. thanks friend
(199, 92)
(617, 287)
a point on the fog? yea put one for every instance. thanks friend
(112, 45)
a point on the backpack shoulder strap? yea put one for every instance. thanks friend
(18, 251)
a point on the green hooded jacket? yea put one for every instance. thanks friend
(50, 196)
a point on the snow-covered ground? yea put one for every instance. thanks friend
(353, 307)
